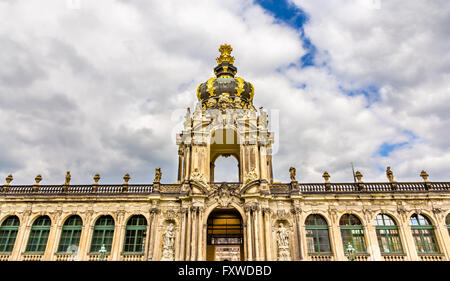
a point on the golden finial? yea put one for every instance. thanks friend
(225, 51)
(9, 179)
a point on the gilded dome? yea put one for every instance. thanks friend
(225, 86)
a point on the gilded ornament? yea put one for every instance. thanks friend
(225, 51)
(210, 86)
(240, 86)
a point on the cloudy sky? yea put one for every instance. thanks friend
(98, 86)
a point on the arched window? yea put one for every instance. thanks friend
(388, 235)
(37, 241)
(135, 234)
(70, 235)
(317, 236)
(352, 233)
(447, 222)
(103, 234)
(423, 233)
(8, 233)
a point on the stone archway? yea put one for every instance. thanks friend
(224, 235)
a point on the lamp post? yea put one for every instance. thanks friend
(102, 252)
(350, 251)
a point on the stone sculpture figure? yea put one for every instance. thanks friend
(168, 243)
(158, 175)
(283, 243)
(251, 176)
(292, 173)
(389, 174)
(67, 182)
(198, 177)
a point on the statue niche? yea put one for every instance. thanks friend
(168, 243)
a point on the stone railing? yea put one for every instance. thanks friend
(277, 189)
(360, 257)
(393, 257)
(32, 256)
(97, 257)
(66, 257)
(378, 187)
(5, 256)
(132, 256)
(321, 257)
(431, 257)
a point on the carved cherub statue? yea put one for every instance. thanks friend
(198, 177)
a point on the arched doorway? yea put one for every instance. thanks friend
(225, 168)
(224, 143)
(224, 236)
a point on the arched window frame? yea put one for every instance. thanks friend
(314, 231)
(355, 233)
(103, 234)
(135, 235)
(447, 222)
(70, 233)
(8, 233)
(38, 237)
(393, 241)
(420, 232)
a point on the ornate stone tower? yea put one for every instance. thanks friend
(225, 123)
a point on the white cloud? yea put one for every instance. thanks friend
(92, 90)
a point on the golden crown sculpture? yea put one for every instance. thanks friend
(225, 51)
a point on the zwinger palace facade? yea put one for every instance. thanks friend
(255, 219)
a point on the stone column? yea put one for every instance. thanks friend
(263, 163)
(151, 232)
(256, 232)
(336, 242)
(262, 243)
(22, 237)
(372, 241)
(187, 161)
(183, 230)
(53, 238)
(86, 231)
(268, 233)
(445, 239)
(296, 211)
(119, 233)
(407, 238)
(180, 165)
(200, 234)
(249, 234)
(188, 235)
(194, 233)
(442, 234)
